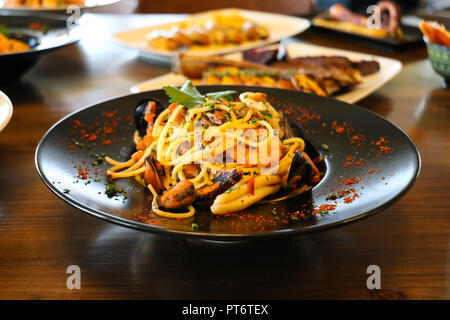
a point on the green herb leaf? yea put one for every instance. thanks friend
(183, 97)
(190, 89)
(189, 96)
(228, 95)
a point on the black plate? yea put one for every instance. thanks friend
(55, 34)
(412, 37)
(391, 173)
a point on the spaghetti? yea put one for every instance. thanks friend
(213, 148)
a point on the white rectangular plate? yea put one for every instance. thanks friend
(388, 69)
(279, 26)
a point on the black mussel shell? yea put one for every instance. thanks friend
(300, 171)
(291, 129)
(139, 115)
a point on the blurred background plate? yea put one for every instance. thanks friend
(6, 110)
(279, 26)
(43, 33)
(389, 68)
(61, 9)
(412, 37)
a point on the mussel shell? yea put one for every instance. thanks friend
(291, 129)
(139, 115)
(300, 167)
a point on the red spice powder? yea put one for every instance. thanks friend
(382, 145)
(83, 174)
(351, 162)
(351, 198)
(351, 181)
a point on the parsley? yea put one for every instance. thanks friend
(66, 190)
(189, 96)
(331, 197)
(267, 113)
(112, 191)
(227, 95)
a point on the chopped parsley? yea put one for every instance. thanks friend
(332, 196)
(112, 191)
(267, 113)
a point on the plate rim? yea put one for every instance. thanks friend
(9, 104)
(143, 227)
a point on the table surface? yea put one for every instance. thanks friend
(40, 236)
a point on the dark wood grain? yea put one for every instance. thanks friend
(40, 235)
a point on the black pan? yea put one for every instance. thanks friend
(385, 175)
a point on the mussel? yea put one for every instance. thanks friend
(178, 196)
(291, 129)
(225, 179)
(139, 115)
(300, 171)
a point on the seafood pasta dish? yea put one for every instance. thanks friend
(221, 149)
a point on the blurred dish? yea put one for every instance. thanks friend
(277, 26)
(40, 33)
(10, 45)
(321, 75)
(391, 30)
(436, 33)
(388, 68)
(218, 28)
(59, 6)
(437, 39)
(6, 110)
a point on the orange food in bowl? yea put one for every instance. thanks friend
(435, 32)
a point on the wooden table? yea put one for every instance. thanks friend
(40, 236)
